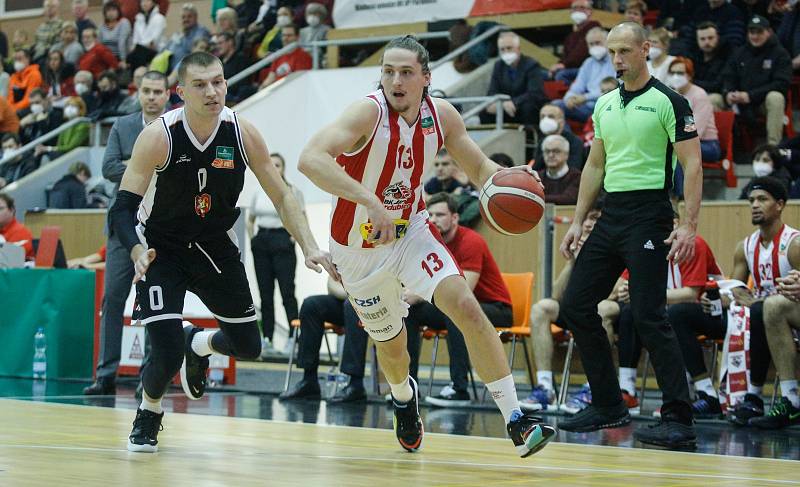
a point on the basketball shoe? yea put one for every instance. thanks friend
(529, 434)
(706, 406)
(751, 407)
(407, 423)
(782, 414)
(540, 398)
(194, 367)
(144, 436)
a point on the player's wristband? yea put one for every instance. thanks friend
(122, 218)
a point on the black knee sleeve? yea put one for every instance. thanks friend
(238, 340)
(167, 345)
(760, 356)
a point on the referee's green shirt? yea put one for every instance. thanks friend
(638, 129)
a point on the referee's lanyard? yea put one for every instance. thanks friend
(775, 263)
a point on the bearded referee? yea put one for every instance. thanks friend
(641, 129)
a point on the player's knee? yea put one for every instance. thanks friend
(469, 312)
(245, 340)
(607, 309)
(775, 306)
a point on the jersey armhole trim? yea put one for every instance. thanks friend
(240, 139)
(169, 146)
(374, 130)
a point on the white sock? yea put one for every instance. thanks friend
(627, 380)
(201, 342)
(706, 386)
(545, 379)
(751, 389)
(152, 405)
(402, 392)
(789, 391)
(504, 393)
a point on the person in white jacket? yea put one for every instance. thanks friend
(148, 30)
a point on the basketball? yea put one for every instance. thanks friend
(512, 201)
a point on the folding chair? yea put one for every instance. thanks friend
(436, 335)
(330, 328)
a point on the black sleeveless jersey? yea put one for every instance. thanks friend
(193, 194)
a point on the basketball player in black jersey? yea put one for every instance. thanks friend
(184, 178)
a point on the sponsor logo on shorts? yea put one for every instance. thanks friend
(381, 313)
(397, 196)
(367, 302)
(385, 329)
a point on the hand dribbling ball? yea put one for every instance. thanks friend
(512, 201)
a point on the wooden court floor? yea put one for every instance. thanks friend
(48, 444)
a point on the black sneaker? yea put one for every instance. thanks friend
(674, 430)
(593, 418)
(751, 407)
(450, 398)
(530, 434)
(782, 414)
(706, 406)
(144, 436)
(194, 368)
(101, 387)
(305, 389)
(406, 420)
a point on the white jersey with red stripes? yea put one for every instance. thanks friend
(390, 164)
(766, 262)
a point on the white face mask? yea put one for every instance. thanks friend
(71, 111)
(655, 52)
(598, 52)
(762, 168)
(312, 20)
(677, 81)
(548, 125)
(578, 17)
(283, 20)
(10, 152)
(37, 108)
(81, 88)
(509, 57)
(19, 66)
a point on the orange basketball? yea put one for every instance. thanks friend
(512, 201)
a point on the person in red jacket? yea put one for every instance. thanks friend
(25, 79)
(10, 229)
(98, 57)
(297, 60)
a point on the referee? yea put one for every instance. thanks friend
(641, 128)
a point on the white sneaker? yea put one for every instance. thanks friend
(267, 350)
(287, 349)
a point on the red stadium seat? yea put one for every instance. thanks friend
(724, 121)
(555, 90)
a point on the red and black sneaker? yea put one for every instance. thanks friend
(407, 422)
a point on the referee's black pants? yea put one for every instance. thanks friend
(630, 233)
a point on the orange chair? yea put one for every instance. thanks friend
(520, 286)
(330, 328)
(724, 121)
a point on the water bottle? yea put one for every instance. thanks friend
(216, 375)
(39, 354)
(712, 293)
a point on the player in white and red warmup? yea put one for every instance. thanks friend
(372, 159)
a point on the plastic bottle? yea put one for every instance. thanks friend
(712, 293)
(39, 354)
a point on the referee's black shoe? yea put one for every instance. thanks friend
(593, 418)
(529, 434)
(407, 423)
(675, 429)
(194, 367)
(144, 436)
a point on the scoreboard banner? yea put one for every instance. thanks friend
(349, 14)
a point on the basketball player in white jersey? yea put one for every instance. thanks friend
(372, 159)
(769, 253)
(195, 157)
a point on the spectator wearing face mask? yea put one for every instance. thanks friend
(579, 101)
(272, 41)
(39, 118)
(19, 166)
(519, 77)
(84, 87)
(25, 79)
(73, 137)
(575, 48)
(659, 58)
(552, 122)
(316, 30)
(767, 161)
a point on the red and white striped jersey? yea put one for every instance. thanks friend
(391, 164)
(766, 262)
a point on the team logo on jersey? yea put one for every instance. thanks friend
(427, 125)
(183, 158)
(224, 159)
(688, 124)
(202, 204)
(396, 196)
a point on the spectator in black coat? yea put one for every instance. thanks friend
(70, 191)
(728, 18)
(710, 58)
(757, 78)
(19, 166)
(109, 96)
(789, 35)
(39, 118)
(551, 122)
(518, 76)
(233, 62)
